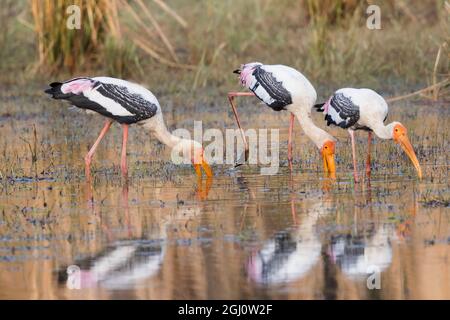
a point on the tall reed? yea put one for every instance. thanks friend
(62, 47)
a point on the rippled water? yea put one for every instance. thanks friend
(161, 236)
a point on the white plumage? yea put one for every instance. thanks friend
(301, 90)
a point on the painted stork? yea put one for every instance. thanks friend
(127, 103)
(284, 88)
(364, 109)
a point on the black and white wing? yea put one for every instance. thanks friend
(269, 89)
(120, 100)
(341, 111)
(139, 105)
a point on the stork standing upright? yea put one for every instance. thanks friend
(127, 103)
(284, 88)
(364, 109)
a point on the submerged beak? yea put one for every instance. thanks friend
(328, 159)
(203, 193)
(237, 71)
(199, 162)
(207, 169)
(408, 148)
(328, 165)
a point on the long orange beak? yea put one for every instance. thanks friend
(206, 168)
(408, 148)
(328, 158)
(199, 162)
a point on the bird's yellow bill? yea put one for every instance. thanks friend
(408, 148)
(202, 193)
(207, 169)
(198, 169)
(329, 165)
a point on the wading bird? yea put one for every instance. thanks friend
(127, 103)
(284, 88)
(364, 109)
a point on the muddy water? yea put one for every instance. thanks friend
(162, 236)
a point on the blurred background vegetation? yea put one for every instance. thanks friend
(187, 46)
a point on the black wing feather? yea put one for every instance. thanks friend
(140, 108)
(345, 108)
(274, 88)
(134, 103)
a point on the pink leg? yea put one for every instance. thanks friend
(126, 207)
(355, 173)
(369, 142)
(291, 129)
(90, 154)
(293, 211)
(123, 162)
(231, 96)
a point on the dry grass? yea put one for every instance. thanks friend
(62, 47)
(103, 33)
(333, 50)
(178, 47)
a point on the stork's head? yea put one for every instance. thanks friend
(328, 150)
(245, 70)
(400, 136)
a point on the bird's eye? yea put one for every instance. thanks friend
(396, 129)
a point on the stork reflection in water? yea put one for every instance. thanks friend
(128, 260)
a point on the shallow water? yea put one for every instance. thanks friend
(161, 236)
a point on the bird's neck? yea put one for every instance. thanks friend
(383, 131)
(316, 134)
(166, 137)
(157, 126)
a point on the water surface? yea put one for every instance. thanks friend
(162, 236)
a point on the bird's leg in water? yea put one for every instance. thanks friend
(126, 207)
(291, 129)
(231, 96)
(90, 154)
(369, 142)
(352, 136)
(293, 211)
(123, 161)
